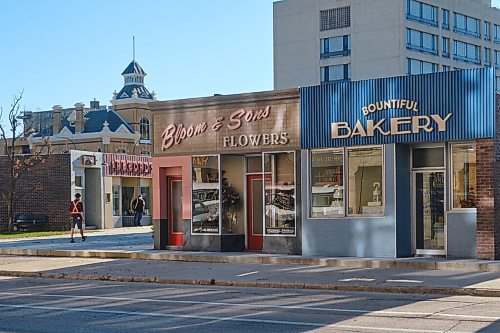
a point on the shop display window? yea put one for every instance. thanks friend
(232, 195)
(327, 183)
(464, 176)
(279, 188)
(145, 195)
(116, 200)
(205, 195)
(365, 184)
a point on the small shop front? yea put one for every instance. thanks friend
(226, 172)
(125, 177)
(397, 167)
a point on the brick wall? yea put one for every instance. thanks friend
(46, 189)
(488, 194)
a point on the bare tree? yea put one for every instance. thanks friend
(18, 164)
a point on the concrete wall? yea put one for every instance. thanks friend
(351, 236)
(378, 38)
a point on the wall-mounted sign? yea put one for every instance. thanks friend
(245, 127)
(87, 160)
(457, 105)
(128, 165)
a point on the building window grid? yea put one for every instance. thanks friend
(421, 41)
(335, 73)
(466, 25)
(335, 18)
(466, 52)
(421, 12)
(335, 46)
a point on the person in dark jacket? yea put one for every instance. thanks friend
(76, 211)
(138, 206)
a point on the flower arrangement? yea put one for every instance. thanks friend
(231, 203)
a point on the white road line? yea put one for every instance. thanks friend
(404, 281)
(249, 273)
(236, 318)
(356, 279)
(259, 306)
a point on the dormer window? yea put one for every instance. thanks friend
(144, 129)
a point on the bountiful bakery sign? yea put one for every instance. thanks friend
(391, 126)
(244, 128)
(449, 106)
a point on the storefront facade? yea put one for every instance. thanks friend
(125, 177)
(397, 167)
(226, 172)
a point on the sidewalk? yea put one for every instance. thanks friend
(113, 255)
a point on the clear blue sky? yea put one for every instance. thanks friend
(63, 52)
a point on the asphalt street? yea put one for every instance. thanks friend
(41, 305)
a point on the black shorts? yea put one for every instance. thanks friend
(76, 220)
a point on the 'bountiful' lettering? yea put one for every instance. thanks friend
(393, 126)
(390, 104)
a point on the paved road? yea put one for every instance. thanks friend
(259, 273)
(39, 305)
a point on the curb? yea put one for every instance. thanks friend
(256, 284)
(480, 266)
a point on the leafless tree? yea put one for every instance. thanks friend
(11, 132)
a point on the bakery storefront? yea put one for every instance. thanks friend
(399, 166)
(226, 173)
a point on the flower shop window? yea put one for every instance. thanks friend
(464, 176)
(279, 189)
(205, 195)
(232, 194)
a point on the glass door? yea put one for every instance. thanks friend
(429, 217)
(255, 217)
(176, 224)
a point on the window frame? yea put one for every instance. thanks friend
(346, 184)
(419, 18)
(467, 58)
(264, 221)
(219, 175)
(451, 186)
(147, 125)
(421, 62)
(420, 46)
(466, 31)
(325, 43)
(325, 79)
(310, 194)
(445, 18)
